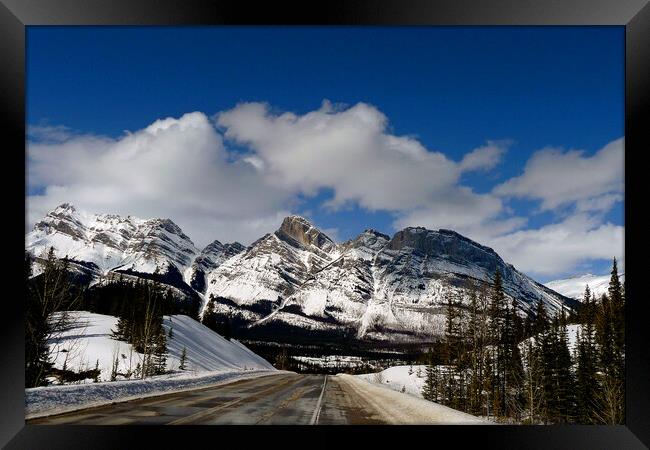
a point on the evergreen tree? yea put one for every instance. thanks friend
(586, 376)
(513, 374)
(183, 359)
(565, 385)
(430, 387)
(498, 317)
(610, 333)
(541, 321)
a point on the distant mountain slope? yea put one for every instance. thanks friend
(575, 287)
(110, 242)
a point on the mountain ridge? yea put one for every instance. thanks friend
(297, 278)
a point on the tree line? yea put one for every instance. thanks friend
(494, 363)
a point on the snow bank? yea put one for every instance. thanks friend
(398, 378)
(398, 408)
(207, 350)
(89, 342)
(44, 401)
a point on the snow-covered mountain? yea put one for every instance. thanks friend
(108, 242)
(297, 280)
(211, 257)
(574, 287)
(373, 286)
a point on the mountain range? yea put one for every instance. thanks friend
(296, 282)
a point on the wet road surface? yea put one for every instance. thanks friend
(283, 399)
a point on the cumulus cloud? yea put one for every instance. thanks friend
(560, 247)
(176, 168)
(182, 168)
(351, 152)
(559, 178)
(347, 151)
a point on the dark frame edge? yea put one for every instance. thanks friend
(12, 43)
(637, 115)
(12, 116)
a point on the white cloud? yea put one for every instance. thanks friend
(48, 133)
(175, 168)
(484, 158)
(181, 169)
(560, 247)
(350, 152)
(560, 178)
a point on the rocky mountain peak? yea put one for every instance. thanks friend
(68, 207)
(370, 239)
(300, 230)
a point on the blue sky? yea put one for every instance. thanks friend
(450, 89)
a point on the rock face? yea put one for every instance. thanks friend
(297, 281)
(255, 282)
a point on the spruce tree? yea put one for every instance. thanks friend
(586, 368)
(429, 389)
(183, 359)
(498, 317)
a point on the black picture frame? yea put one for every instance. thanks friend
(634, 15)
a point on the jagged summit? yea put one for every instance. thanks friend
(300, 230)
(112, 242)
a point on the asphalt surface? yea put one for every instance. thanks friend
(283, 399)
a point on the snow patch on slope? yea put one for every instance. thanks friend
(575, 287)
(89, 341)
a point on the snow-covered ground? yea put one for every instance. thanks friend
(399, 379)
(88, 342)
(44, 401)
(575, 287)
(399, 408)
(210, 360)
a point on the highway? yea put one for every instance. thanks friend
(286, 398)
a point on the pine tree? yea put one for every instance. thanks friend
(513, 374)
(586, 376)
(183, 359)
(430, 387)
(564, 376)
(498, 316)
(610, 333)
(96, 379)
(541, 321)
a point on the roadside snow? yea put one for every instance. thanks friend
(398, 408)
(45, 401)
(89, 342)
(398, 378)
(210, 360)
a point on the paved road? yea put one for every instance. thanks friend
(275, 399)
